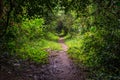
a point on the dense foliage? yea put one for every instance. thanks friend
(26, 32)
(97, 43)
(91, 29)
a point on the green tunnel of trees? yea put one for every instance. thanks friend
(94, 24)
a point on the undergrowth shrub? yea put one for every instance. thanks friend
(97, 52)
(33, 41)
(30, 40)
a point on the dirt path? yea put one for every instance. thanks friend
(61, 41)
(60, 67)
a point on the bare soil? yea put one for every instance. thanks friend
(60, 67)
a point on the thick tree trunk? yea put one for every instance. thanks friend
(7, 18)
(1, 8)
(8, 14)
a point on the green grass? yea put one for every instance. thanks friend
(51, 45)
(75, 42)
(51, 37)
(36, 50)
(51, 42)
(74, 45)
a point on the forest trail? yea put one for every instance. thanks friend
(60, 67)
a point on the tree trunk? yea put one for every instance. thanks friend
(1, 8)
